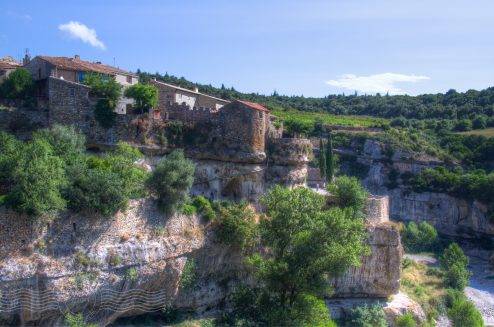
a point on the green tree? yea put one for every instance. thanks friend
(464, 313)
(236, 226)
(406, 320)
(454, 263)
(307, 245)
(39, 177)
(330, 160)
(66, 142)
(108, 91)
(18, 85)
(145, 96)
(11, 151)
(421, 237)
(322, 159)
(348, 192)
(172, 180)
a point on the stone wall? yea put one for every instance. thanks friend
(69, 103)
(377, 209)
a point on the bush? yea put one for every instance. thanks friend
(421, 237)
(406, 320)
(189, 275)
(11, 151)
(172, 180)
(479, 122)
(66, 142)
(236, 226)
(348, 192)
(18, 85)
(368, 316)
(204, 207)
(454, 264)
(39, 177)
(464, 313)
(98, 191)
(463, 125)
(76, 320)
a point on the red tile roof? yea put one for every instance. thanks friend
(253, 105)
(8, 65)
(82, 65)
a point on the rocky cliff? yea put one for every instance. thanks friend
(450, 215)
(133, 263)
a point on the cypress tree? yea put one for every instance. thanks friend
(322, 159)
(330, 162)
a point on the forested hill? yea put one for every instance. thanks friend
(450, 105)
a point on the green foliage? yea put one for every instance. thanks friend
(464, 313)
(97, 191)
(330, 160)
(145, 96)
(38, 177)
(348, 192)
(65, 141)
(235, 226)
(131, 274)
(474, 185)
(368, 316)
(307, 243)
(204, 207)
(406, 320)
(322, 159)
(11, 151)
(417, 238)
(171, 181)
(189, 209)
(455, 266)
(108, 91)
(18, 85)
(188, 278)
(76, 320)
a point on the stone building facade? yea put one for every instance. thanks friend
(177, 103)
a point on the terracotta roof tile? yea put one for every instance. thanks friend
(253, 105)
(82, 65)
(8, 65)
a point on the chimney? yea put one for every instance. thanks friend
(196, 89)
(77, 57)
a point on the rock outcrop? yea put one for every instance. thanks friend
(132, 264)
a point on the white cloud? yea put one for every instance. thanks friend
(80, 31)
(378, 83)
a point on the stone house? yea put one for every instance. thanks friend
(177, 103)
(7, 65)
(75, 70)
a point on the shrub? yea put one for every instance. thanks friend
(368, 316)
(479, 122)
(454, 264)
(463, 125)
(205, 208)
(421, 237)
(11, 150)
(114, 259)
(66, 142)
(348, 192)
(98, 191)
(18, 85)
(189, 274)
(76, 320)
(38, 178)
(104, 113)
(236, 226)
(406, 320)
(172, 180)
(464, 313)
(131, 274)
(189, 209)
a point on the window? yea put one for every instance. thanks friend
(129, 79)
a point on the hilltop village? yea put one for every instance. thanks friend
(104, 266)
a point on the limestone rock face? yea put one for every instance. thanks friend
(379, 274)
(132, 264)
(450, 215)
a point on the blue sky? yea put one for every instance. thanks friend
(304, 47)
